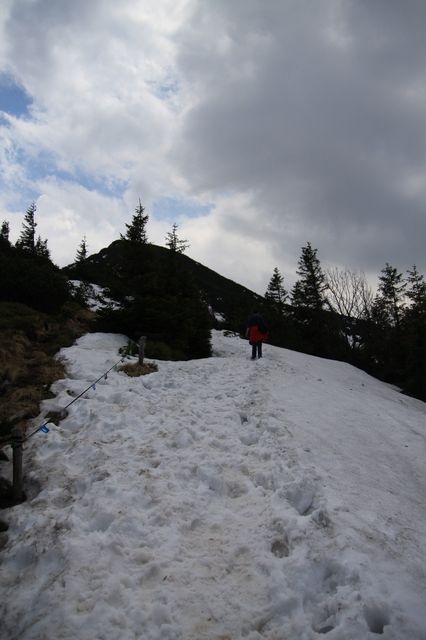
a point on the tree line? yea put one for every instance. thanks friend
(334, 313)
(136, 231)
(328, 312)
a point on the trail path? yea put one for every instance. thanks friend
(221, 499)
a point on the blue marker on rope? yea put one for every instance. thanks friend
(94, 387)
(44, 429)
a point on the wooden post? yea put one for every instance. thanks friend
(17, 440)
(141, 345)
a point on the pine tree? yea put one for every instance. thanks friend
(308, 291)
(416, 292)
(174, 243)
(81, 251)
(307, 296)
(26, 240)
(414, 335)
(136, 230)
(41, 249)
(389, 302)
(385, 345)
(4, 233)
(275, 293)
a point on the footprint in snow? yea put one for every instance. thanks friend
(321, 602)
(377, 617)
(301, 496)
(280, 548)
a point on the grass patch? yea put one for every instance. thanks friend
(29, 342)
(135, 369)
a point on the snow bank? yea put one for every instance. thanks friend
(221, 499)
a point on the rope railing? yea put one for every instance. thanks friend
(17, 440)
(45, 429)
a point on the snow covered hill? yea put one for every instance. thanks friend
(219, 499)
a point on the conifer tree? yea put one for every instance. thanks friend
(4, 233)
(308, 291)
(81, 251)
(41, 248)
(416, 292)
(26, 240)
(385, 344)
(414, 334)
(136, 230)
(174, 243)
(307, 296)
(389, 303)
(275, 293)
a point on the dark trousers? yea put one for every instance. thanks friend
(256, 350)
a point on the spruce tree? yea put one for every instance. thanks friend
(26, 240)
(308, 300)
(385, 345)
(4, 233)
(414, 335)
(308, 291)
(389, 302)
(174, 243)
(136, 230)
(416, 292)
(81, 251)
(275, 293)
(41, 250)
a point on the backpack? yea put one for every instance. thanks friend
(262, 326)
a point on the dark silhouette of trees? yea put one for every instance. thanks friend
(276, 294)
(174, 243)
(26, 240)
(308, 300)
(414, 335)
(4, 233)
(41, 250)
(166, 296)
(389, 302)
(136, 230)
(81, 251)
(308, 291)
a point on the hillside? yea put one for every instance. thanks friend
(164, 295)
(220, 498)
(131, 268)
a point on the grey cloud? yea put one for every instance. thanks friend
(324, 135)
(310, 113)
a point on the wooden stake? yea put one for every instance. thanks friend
(17, 441)
(141, 345)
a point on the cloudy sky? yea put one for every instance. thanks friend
(255, 125)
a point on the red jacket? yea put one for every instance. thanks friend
(255, 335)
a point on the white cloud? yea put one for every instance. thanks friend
(67, 212)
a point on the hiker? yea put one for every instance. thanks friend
(257, 333)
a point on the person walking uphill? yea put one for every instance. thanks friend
(257, 333)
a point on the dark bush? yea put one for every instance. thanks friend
(31, 280)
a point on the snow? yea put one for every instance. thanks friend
(220, 499)
(96, 296)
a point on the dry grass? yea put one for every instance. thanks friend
(29, 341)
(135, 369)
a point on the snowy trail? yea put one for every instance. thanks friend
(221, 499)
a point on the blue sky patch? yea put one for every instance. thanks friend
(164, 90)
(13, 98)
(45, 166)
(175, 208)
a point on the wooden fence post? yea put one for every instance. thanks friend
(17, 440)
(141, 345)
